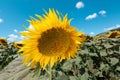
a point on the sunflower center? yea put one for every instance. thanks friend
(54, 42)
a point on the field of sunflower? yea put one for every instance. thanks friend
(8, 52)
(98, 59)
(57, 50)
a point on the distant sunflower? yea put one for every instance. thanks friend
(3, 41)
(18, 45)
(51, 39)
(114, 34)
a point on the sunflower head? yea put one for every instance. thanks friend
(51, 39)
(114, 34)
(3, 41)
(18, 45)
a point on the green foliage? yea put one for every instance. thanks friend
(98, 60)
(7, 54)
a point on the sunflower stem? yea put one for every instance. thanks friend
(50, 72)
(38, 74)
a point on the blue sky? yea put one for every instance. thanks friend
(89, 16)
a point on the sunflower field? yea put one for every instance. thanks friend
(8, 52)
(98, 59)
(55, 50)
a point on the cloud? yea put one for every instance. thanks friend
(12, 37)
(1, 20)
(113, 27)
(15, 30)
(91, 33)
(30, 27)
(17, 37)
(79, 5)
(22, 37)
(102, 12)
(92, 16)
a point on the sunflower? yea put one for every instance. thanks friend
(18, 45)
(52, 39)
(114, 34)
(3, 41)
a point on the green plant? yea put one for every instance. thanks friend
(98, 60)
(7, 54)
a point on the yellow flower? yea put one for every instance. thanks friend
(18, 45)
(3, 41)
(114, 34)
(51, 39)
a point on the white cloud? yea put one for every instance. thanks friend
(92, 33)
(22, 37)
(102, 12)
(79, 5)
(31, 27)
(15, 30)
(12, 37)
(92, 16)
(1, 20)
(113, 27)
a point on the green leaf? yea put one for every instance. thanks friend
(103, 52)
(90, 63)
(72, 77)
(67, 66)
(109, 51)
(102, 66)
(62, 77)
(107, 45)
(118, 68)
(60, 73)
(114, 61)
(96, 72)
(84, 76)
(85, 51)
(93, 54)
(75, 60)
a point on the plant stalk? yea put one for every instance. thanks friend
(50, 72)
